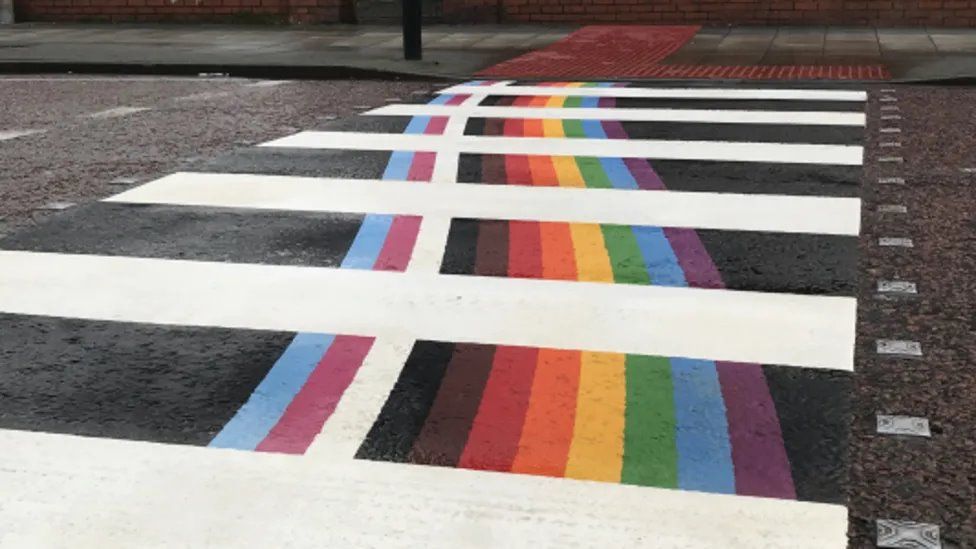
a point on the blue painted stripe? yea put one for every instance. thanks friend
(594, 129)
(369, 241)
(398, 166)
(618, 173)
(590, 102)
(255, 419)
(662, 264)
(417, 124)
(704, 451)
(441, 99)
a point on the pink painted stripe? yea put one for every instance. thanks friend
(457, 99)
(422, 166)
(436, 125)
(399, 243)
(318, 398)
(762, 467)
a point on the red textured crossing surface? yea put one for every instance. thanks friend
(638, 51)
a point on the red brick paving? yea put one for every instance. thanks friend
(637, 51)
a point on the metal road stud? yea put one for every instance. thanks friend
(903, 425)
(896, 241)
(905, 534)
(899, 347)
(897, 287)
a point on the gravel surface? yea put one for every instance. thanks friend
(78, 155)
(926, 480)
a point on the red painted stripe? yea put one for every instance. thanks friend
(436, 125)
(494, 438)
(315, 402)
(517, 169)
(457, 99)
(524, 249)
(422, 166)
(522, 101)
(399, 243)
(514, 127)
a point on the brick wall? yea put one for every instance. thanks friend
(716, 12)
(244, 11)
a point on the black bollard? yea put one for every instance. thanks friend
(412, 18)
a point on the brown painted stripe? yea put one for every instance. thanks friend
(492, 169)
(491, 257)
(445, 432)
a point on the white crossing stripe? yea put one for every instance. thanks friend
(14, 134)
(714, 116)
(765, 328)
(117, 112)
(728, 211)
(103, 492)
(851, 155)
(669, 93)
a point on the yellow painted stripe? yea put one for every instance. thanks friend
(553, 127)
(575, 84)
(567, 172)
(597, 450)
(592, 258)
(555, 101)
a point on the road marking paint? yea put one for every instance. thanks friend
(14, 134)
(892, 208)
(898, 347)
(890, 159)
(117, 112)
(670, 93)
(766, 328)
(204, 96)
(892, 108)
(632, 115)
(269, 83)
(890, 130)
(729, 211)
(889, 99)
(890, 144)
(891, 117)
(638, 148)
(264, 500)
(57, 206)
(891, 180)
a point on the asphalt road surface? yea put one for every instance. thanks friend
(501, 314)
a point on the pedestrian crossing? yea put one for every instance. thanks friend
(506, 309)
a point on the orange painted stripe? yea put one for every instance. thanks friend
(539, 101)
(558, 256)
(543, 172)
(533, 128)
(549, 422)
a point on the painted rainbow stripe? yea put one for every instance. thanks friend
(632, 419)
(587, 252)
(302, 389)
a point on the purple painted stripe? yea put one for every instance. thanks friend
(762, 467)
(645, 176)
(614, 130)
(700, 271)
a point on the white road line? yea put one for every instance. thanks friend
(766, 328)
(113, 493)
(727, 211)
(632, 115)
(674, 93)
(116, 112)
(362, 401)
(851, 155)
(14, 134)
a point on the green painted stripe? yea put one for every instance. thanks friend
(573, 128)
(592, 171)
(625, 255)
(650, 450)
(573, 101)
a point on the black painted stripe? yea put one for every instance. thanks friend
(712, 104)
(460, 254)
(301, 162)
(475, 126)
(722, 177)
(194, 233)
(366, 123)
(814, 411)
(126, 380)
(403, 415)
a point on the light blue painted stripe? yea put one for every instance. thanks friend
(618, 173)
(590, 102)
(662, 263)
(417, 124)
(594, 129)
(255, 419)
(399, 165)
(441, 99)
(704, 451)
(368, 243)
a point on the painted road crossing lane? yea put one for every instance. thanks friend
(638, 299)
